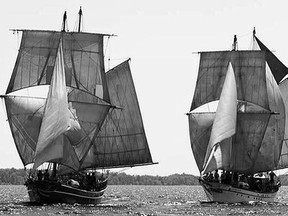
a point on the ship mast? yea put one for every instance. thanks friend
(80, 17)
(64, 22)
(64, 26)
(234, 45)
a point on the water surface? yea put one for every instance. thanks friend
(142, 200)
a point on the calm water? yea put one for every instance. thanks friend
(142, 200)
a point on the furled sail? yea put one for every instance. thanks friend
(121, 141)
(224, 126)
(260, 111)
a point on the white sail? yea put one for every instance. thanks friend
(56, 117)
(224, 126)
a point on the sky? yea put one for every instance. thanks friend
(162, 38)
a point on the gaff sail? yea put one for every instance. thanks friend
(122, 140)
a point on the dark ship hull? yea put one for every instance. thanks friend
(53, 192)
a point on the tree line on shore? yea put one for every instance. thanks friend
(17, 177)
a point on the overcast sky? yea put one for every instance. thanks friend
(160, 37)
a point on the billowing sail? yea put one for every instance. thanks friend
(259, 129)
(56, 119)
(200, 125)
(25, 117)
(83, 56)
(121, 141)
(224, 126)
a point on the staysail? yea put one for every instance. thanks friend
(258, 102)
(224, 126)
(56, 118)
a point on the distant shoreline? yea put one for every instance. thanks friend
(12, 176)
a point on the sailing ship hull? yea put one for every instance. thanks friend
(218, 192)
(41, 192)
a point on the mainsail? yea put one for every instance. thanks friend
(257, 142)
(122, 139)
(90, 119)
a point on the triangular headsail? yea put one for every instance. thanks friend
(278, 69)
(56, 117)
(224, 126)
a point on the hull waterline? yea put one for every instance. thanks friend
(218, 192)
(60, 193)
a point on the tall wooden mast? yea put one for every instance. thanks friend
(234, 45)
(64, 22)
(80, 17)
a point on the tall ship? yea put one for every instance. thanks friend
(237, 123)
(87, 122)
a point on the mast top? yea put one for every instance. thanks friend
(64, 22)
(80, 17)
(234, 45)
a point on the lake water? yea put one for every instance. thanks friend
(142, 200)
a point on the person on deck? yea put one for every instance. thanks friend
(216, 176)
